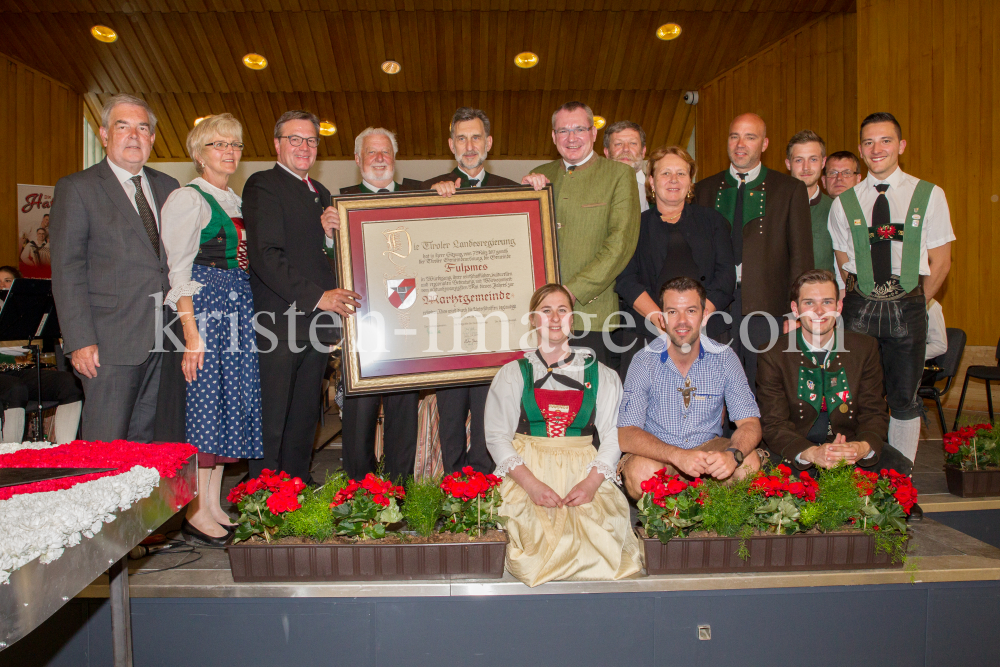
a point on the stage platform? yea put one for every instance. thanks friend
(939, 610)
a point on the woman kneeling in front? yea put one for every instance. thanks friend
(566, 518)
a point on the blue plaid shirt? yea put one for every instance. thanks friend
(653, 400)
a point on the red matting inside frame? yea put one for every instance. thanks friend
(357, 218)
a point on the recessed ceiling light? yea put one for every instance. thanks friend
(526, 60)
(327, 128)
(391, 67)
(255, 61)
(103, 33)
(599, 122)
(199, 119)
(668, 31)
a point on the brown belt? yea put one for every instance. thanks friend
(890, 291)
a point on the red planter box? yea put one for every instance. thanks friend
(372, 562)
(972, 483)
(768, 553)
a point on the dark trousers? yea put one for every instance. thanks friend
(757, 337)
(901, 330)
(454, 405)
(633, 341)
(19, 387)
(890, 459)
(121, 401)
(360, 419)
(593, 340)
(291, 384)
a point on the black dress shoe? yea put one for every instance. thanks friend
(192, 534)
(916, 513)
(230, 529)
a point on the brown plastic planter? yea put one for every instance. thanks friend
(360, 562)
(768, 553)
(972, 483)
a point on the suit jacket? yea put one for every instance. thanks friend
(104, 267)
(777, 247)
(286, 249)
(489, 180)
(786, 419)
(597, 226)
(407, 184)
(706, 232)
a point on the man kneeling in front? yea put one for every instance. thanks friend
(671, 413)
(821, 393)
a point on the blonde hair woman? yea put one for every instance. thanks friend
(566, 519)
(205, 241)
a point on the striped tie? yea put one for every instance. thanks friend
(146, 213)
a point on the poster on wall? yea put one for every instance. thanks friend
(33, 204)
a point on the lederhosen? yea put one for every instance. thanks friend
(553, 412)
(894, 312)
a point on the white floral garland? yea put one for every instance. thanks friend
(42, 525)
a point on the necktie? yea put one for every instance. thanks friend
(738, 220)
(570, 168)
(383, 190)
(305, 179)
(146, 213)
(473, 182)
(881, 249)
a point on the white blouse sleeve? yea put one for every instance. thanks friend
(609, 395)
(183, 216)
(503, 410)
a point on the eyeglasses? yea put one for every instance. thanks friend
(223, 145)
(847, 173)
(296, 140)
(564, 132)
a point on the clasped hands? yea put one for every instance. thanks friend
(831, 454)
(696, 463)
(542, 494)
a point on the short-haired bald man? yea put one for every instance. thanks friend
(769, 217)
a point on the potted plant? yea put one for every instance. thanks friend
(350, 530)
(848, 518)
(972, 461)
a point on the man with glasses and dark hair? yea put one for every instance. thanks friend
(470, 141)
(105, 225)
(625, 142)
(842, 171)
(805, 157)
(892, 237)
(287, 214)
(597, 221)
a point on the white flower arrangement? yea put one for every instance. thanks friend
(42, 525)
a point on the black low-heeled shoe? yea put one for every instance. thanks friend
(230, 529)
(192, 534)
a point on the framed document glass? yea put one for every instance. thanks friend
(445, 283)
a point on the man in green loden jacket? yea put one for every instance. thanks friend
(805, 157)
(597, 222)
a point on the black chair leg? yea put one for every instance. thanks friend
(937, 399)
(989, 400)
(961, 402)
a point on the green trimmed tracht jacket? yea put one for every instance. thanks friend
(597, 227)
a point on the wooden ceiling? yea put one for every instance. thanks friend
(183, 56)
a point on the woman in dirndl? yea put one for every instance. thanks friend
(205, 241)
(566, 518)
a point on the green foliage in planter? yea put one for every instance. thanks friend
(422, 506)
(837, 500)
(314, 519)
(973, 447)
(727, 509)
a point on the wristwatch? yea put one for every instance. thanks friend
(737, 454)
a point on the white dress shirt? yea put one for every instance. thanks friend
(937, 334)
(503, 411)
(305, 179)
(374, 188)
(125, 178)
(643, 202)
(478, 178)
(583, 161)
(188, 214)
(936, 223)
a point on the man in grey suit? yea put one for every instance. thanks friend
(108, 268)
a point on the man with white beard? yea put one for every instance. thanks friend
(375, 154)
(625, 142)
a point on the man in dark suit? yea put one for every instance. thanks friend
(294, 290)
(470, 142)
(375, 154)
(768, 214)
(109, 274)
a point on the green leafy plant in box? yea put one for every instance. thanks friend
(365, 508)
(422, 508)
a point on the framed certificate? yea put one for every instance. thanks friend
(445, 283)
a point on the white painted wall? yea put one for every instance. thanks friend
(336, 174)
